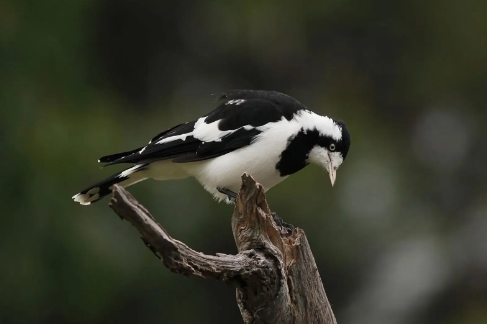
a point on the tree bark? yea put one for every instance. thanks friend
(275, 274)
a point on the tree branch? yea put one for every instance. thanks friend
(274, 272)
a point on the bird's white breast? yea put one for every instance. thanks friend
(258, 159)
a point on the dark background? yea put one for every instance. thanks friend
(401, 238)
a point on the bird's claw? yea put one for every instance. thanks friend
(231, 196)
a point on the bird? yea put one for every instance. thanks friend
(266, 134)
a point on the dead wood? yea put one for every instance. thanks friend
(275, 273)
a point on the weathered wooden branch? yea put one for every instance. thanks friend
(274, 272)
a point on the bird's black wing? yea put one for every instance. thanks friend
(229, 143)
(261, 107)
(117, 156)
(232, 125)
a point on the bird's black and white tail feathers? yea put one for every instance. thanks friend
(100, 189)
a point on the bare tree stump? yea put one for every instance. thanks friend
(274, 272)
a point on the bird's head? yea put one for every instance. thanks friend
(331, 147)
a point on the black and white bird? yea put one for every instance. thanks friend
(267, 134)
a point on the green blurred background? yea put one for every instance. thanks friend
(401, 238)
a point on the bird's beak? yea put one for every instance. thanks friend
(333, 174)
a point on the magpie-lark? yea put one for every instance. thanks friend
(264, 133)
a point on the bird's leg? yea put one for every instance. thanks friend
(232, 196)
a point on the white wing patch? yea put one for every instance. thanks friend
(173, 138)
(204, 132)
(129, 171)
(235, 102)
(209, 132)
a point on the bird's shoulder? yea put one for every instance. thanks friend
(252, 108)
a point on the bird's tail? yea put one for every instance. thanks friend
(100, 189)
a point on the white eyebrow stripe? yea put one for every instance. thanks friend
(323, 124)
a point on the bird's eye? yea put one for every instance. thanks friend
(332, 147)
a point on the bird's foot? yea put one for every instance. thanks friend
(285, 227)
(231, 196)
